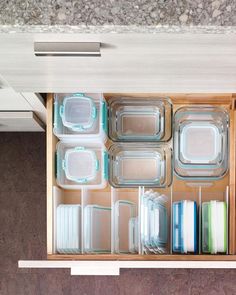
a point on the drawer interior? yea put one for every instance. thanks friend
(223, 189)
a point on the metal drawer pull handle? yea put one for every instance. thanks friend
(67, 48)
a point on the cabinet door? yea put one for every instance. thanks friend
(173, 63)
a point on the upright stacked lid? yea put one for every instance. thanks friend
(132, 165)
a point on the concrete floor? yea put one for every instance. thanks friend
(23, 236)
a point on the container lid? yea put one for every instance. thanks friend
(80, 164)
(200, 143)
(218, 236)
(68, 228)
(97, 222)
(124, 211)
(78, 112)
(185, 226)
(154, 226)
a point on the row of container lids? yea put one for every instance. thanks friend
(154, 227)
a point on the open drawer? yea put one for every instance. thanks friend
(116, 256)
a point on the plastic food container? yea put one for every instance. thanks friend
(140, 119)
(154, 223)
(184, 227)
(133, 165)
(80, 116)
(97, 229)
(68, 229)
(214, 227)
(81, 166)
(201, 142)
(125, 227)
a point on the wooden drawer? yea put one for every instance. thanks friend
(111, 263)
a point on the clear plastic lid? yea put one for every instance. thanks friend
(200, 143)
(68, 229)
(97, 229)
(133, 235)
(78, 112)
(124, 212)
(80, 164)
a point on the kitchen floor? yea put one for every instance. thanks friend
(23, 236)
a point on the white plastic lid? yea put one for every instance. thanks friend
(78, 112)
(80, 164)
(200, 143)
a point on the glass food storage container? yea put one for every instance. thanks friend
(132, 165)
(201, 142)
(140, 119)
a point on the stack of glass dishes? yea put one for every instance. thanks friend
(201, 142)
(68, 229)
(133, 165)
(125, 226)
(154, 223)
(97, 229)
(140, 119)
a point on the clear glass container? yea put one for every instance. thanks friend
(140, 119)
(201, 142)
(133, 165)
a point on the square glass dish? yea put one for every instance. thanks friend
(201, 142)
(132, 165)
(81, 166)
(141, 119)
